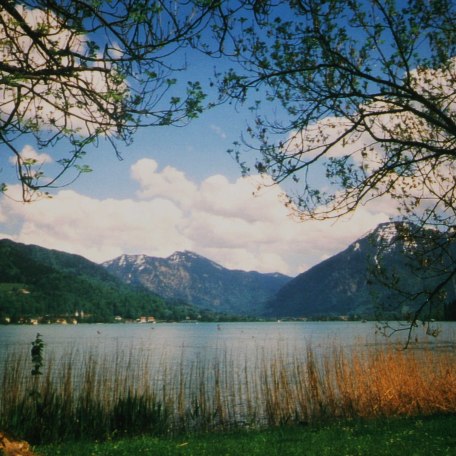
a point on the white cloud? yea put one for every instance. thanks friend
(99, 229)
(169, 183)
(29, 153)
(219, 196)
(217, 218)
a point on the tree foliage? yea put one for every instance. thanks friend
(75, 72)
(368, 87)
(365, 92)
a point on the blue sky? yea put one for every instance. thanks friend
(179, 189)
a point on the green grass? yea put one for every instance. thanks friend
(435, 435)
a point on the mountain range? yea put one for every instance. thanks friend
(38, 281)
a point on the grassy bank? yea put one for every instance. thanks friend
(84, 396)
(434, 435)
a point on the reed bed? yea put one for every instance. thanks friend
(99, 396)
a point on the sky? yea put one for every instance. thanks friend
(175, 189)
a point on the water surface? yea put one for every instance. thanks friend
(172, 340)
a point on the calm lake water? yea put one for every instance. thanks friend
(187, 340)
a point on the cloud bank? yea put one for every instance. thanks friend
(226, 221)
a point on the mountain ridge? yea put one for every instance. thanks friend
(35, 279)
(199, 281)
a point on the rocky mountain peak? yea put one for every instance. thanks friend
(192, 278)
(185, 255)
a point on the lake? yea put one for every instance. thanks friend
(175, 340)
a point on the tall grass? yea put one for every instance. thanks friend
(96, 396)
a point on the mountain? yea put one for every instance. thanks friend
(199, 281)
(345, 284)
(35, 281)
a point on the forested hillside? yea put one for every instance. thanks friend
(37, 282)
(380, 275)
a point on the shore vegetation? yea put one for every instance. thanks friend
(90, 396)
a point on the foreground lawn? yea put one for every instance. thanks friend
(426, 436)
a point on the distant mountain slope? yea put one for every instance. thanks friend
(344, 285)
(35, 281)
(199, 281)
